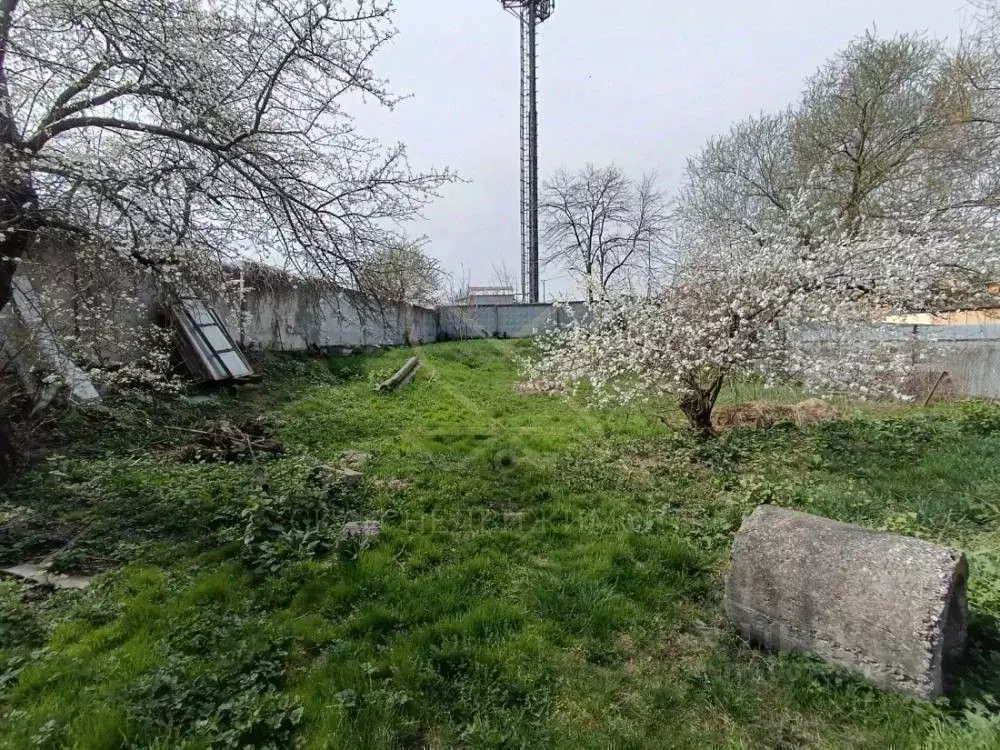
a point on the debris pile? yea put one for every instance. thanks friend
(228, 441)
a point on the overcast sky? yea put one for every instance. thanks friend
(642, 84)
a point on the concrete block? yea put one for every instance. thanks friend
(332, 477)
(356, 460)
(888, 606)
(361, 530)
(348, 478)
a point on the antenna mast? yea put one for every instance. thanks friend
(530, 13)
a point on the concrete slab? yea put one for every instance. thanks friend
(38, 574)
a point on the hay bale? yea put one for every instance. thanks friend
(814, 410)
(757, 414)
(763, 414)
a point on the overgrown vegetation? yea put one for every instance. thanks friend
(547, 575)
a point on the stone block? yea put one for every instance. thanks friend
(347, 478)
(888, 606)
(335, 477)
(355, 459)
(361, 530)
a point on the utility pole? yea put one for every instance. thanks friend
(530, 13)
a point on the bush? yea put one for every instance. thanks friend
(290, 526)
(19, 625)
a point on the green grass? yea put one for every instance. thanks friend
(547, 576)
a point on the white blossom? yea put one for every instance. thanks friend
(782, 310)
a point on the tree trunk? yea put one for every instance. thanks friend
(20, 221)
(698, 411)
(697, 405)
(9, 456)
(7, 268)
(15, 243)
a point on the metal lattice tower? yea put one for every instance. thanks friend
(530, 13)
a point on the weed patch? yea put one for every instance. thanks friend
(236, 702)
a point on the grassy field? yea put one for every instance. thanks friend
(547, 575)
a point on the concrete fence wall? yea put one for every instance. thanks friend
(296, 319)
(300, 318)
(286, 319)
(279, 314)
(293, 321)
(512, 321)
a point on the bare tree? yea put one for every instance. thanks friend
(403, 273)
(971, 148)
(742, 184)
(173, 134)
(598, 223)
(503, 277)
(456, 286)
(651, 253)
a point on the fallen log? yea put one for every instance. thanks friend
(402, 377)
(889, 606)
